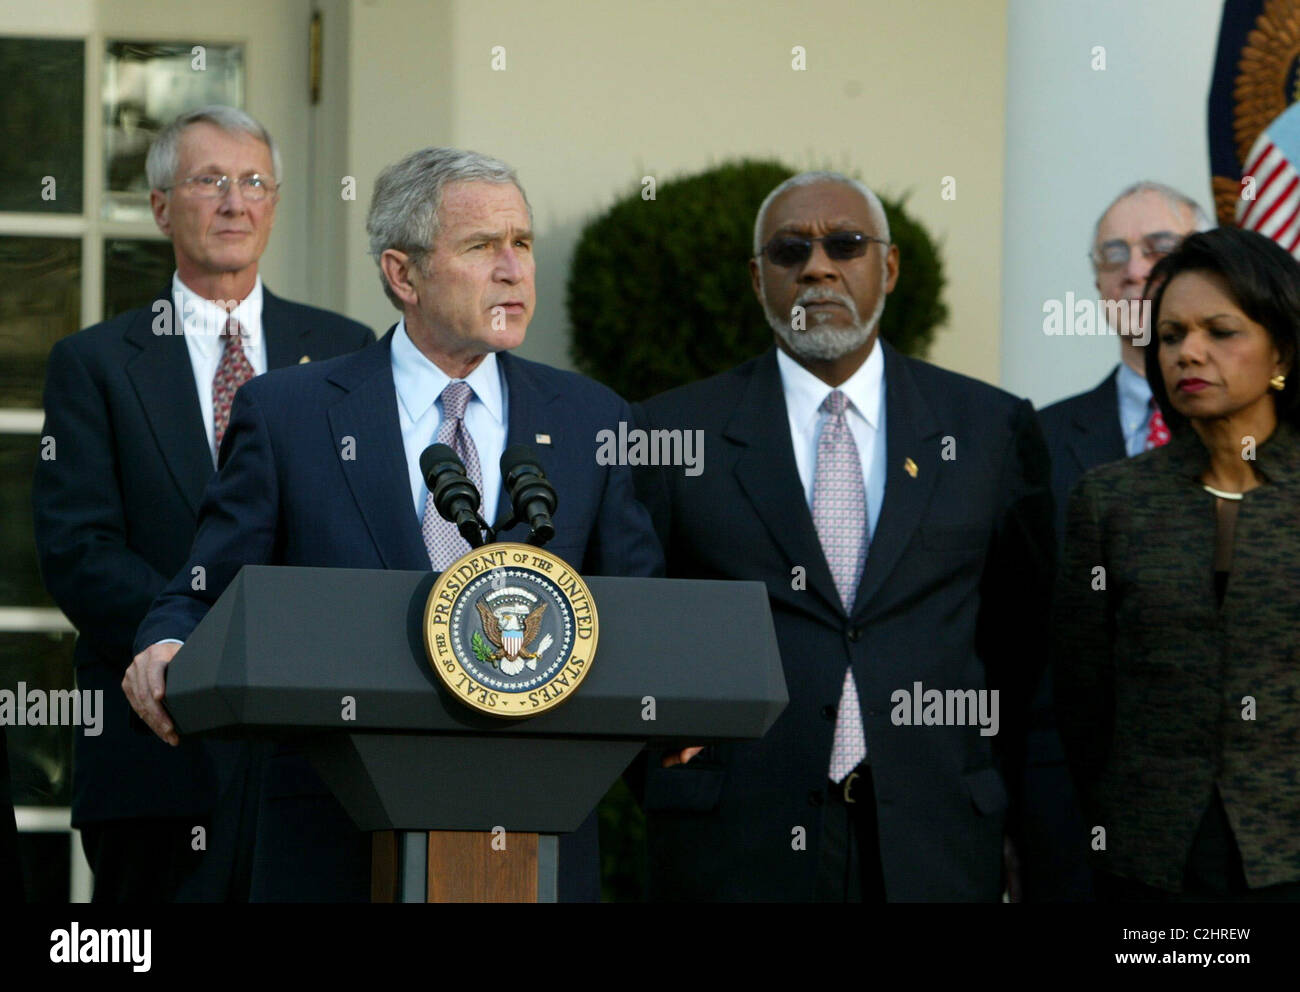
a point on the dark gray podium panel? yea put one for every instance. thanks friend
(447, 782)
(306, 649)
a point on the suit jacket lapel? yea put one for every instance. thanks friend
(285, 337)
(378, 476)
(766, 471)
(1096, 437)
(163, 379)
(527, 400)
(910, 427)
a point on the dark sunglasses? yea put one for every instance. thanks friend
(787, 250)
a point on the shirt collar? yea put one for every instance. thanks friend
(419, 382)
(1133, 388)
(805, 393)
(203, 320)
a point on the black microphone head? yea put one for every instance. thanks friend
(520, 456)
(439, 454)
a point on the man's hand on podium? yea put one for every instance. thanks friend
(680, 757)
(144, 685)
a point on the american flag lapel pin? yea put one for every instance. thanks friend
(304, 360)
(909, 467)
(541, 439)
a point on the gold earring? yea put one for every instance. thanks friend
(1278, 382)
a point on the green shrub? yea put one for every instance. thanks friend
(659, 290)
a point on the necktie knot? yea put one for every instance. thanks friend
(455, 398)
(233, 333)
(835, 403)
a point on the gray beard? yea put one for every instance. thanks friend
(822, 343)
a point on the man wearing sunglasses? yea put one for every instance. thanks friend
(900, 517)
(1116, 419)
(137, 407)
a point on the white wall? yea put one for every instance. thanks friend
(596, 95)
(1074, 138)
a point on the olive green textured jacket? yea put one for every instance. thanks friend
(1160, 693)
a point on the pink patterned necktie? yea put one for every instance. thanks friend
(840, 516)
(441, 538)
(1157, 429)
(233, 371)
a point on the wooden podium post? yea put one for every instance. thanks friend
(463, 866)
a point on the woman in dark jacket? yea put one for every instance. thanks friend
(1177, 616)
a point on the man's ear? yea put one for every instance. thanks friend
(891, 268)
(753, 279)
(158, 204)
(396, 266)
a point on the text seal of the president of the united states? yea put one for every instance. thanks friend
(510, 629)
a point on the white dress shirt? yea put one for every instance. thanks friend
(419, 383)
(202, 322)
(865, 389)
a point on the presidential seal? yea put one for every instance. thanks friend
(510, 629)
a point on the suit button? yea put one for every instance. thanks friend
(816, 797)
(855, 634)
(828, 711)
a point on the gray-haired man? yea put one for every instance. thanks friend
(138, 406)
(1115, 419)
(452, 233)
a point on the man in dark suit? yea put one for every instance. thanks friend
(452, 232)
(136, 407)
(900, 516)
(1116, 419)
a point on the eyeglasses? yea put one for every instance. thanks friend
(210, 186)
(787, 251)
(1111, 255)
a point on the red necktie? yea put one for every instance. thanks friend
(1157, 430)
(233, 371)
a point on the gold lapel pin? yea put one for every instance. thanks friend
(909, 467)
(304, 360)
(541, 439)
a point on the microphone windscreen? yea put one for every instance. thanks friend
(516, 455)
(437, 454)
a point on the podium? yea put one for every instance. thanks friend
(333, 660)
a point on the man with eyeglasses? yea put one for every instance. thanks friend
(1114, 420)
(900, 517)
(137, 407)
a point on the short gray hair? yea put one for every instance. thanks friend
(874, 206)
(404, 209)
(1174, 198)
(165, 152)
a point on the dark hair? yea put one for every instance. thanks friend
(1265, 283)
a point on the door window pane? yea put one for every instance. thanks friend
(40, 302)
(134, 272)
(41, 117)
(20, 578)
(40, 757)
(146, 85)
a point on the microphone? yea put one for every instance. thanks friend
(454, 496)
(532, 496)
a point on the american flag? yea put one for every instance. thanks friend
(1275, 209)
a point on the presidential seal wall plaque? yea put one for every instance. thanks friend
(510, 629)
